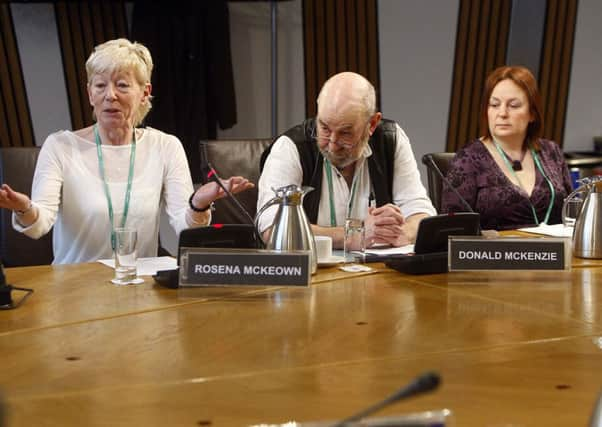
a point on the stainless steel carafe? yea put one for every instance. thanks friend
(291, 230)
(587, 235)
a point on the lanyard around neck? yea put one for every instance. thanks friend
(540, 167)
(333, 214)
(128, 191)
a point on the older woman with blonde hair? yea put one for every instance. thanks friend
(112, 174)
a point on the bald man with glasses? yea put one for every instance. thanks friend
(359, 164)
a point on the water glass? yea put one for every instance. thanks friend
(354, 239)
(572, 210)
(125, 256)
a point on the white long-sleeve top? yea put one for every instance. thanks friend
(68, 192)
(283, 167)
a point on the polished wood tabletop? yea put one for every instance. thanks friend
(512, 348)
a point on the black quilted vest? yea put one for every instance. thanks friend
(380, 164)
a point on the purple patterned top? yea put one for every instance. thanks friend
(503, 205)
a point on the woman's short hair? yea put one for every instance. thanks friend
(524, 79)
(123, 55)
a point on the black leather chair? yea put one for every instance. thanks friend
(231, 158)
(442, 160)
(17, 165)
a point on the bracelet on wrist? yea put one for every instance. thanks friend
(194, 208)
(24, 211)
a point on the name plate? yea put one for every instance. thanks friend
(243, 267)
(509, 253)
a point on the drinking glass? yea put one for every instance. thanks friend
(572, 210)
(125, 256)
(354, 240)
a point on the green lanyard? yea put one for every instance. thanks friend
(101, 166)
(333, 215)
(540, 167)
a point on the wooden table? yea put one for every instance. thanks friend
(513, 348)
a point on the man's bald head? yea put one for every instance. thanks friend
(346, 94)
(346, 118)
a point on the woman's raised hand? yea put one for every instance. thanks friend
(210, 192)
(13, 200)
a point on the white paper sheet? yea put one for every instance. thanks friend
(556, 230)
(148, 266)
(391, 251)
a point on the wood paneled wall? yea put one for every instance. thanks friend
(481, 42)
(81, 26)
(556, 59)
(15, 120)
(339, 35)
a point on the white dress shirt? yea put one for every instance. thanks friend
(283, 167)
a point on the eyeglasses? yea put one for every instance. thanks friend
(345, 138)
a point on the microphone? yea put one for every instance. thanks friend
(446, 181)
(424, 383)
(211, 175)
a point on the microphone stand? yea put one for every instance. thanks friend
(446, 181)
(424, 383)
(212, 175)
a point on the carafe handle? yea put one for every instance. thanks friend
(569, 221)
(274, 201)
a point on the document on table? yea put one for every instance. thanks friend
(390, 251)
(148, 266)
(556, 230)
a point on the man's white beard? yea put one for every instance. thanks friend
(339, 161)
(343, 158)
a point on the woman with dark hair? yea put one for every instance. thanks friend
(510, 176)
